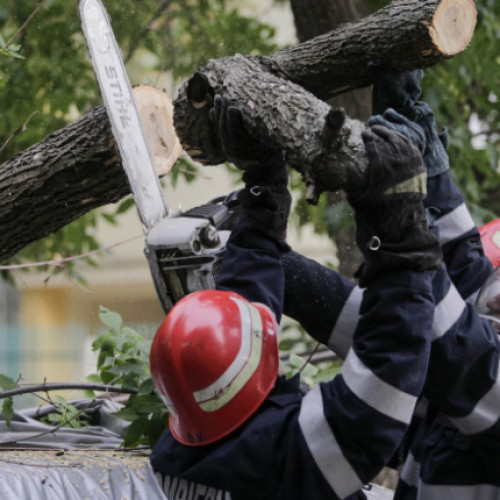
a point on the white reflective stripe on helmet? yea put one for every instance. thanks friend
(244, 365)
(454, 224)
(447, 312)
(375, 392)
(324, 447)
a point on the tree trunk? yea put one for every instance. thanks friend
(313, 18)
(73, 171)
(317, 17)
(279, 94)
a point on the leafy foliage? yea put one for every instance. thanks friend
(6, 383)
(123, 360)
(11, 51)
(66, 415)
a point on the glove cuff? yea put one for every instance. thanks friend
(418, 251)
(271, 172)
(267, 209)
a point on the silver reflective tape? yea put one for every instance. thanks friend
(340, 340)
(375, 392)
(454, 224)
(485, 414)
(324, 447)
(377, 492)
(409, 472)
(417, 184)
(472, 492)
(244, 365)
(447, 312)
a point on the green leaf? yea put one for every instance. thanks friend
(296, 361)
(147, 386)
(309, 371)
(6, 383)
(135, 433)
(125, 206)
(111, 319)
(8, 410)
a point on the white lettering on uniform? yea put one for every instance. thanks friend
(182, 489)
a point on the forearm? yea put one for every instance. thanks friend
(464, 368)
(369, 406)
(458, 235)
(252, 266)
(322, 301)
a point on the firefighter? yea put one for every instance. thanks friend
(240, 430)
(453, 448)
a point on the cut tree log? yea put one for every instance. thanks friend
(75, 170)
(281, 95)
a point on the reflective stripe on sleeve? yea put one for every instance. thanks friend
(410, 471)
(447, 312)
(472, 492)
(375, 392)
(484, 415)
(454, 224)
(324, 447)
(341, 337)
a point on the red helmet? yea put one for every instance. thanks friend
(490, 238)
(214, 360)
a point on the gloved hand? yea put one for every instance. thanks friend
(393, 89)
(261, 164)
(391, 224)
(435, 156)
(400, 91)
(265, 200)
(392, 120)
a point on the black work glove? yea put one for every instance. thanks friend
(393, 89)
(400, 91)
(391, 224)
(265, 199)
(435, 156)
(262, 165)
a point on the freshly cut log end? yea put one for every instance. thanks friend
(156, 111)
(453, 26)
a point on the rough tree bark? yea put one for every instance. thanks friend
(75, 170)
(313, 18)
(317, 17)
(281, 95)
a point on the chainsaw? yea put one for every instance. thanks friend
(184, 251)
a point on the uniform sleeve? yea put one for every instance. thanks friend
(322, 301)
(351, 427)
(252, 266)
(459, 237)
(463, 379)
